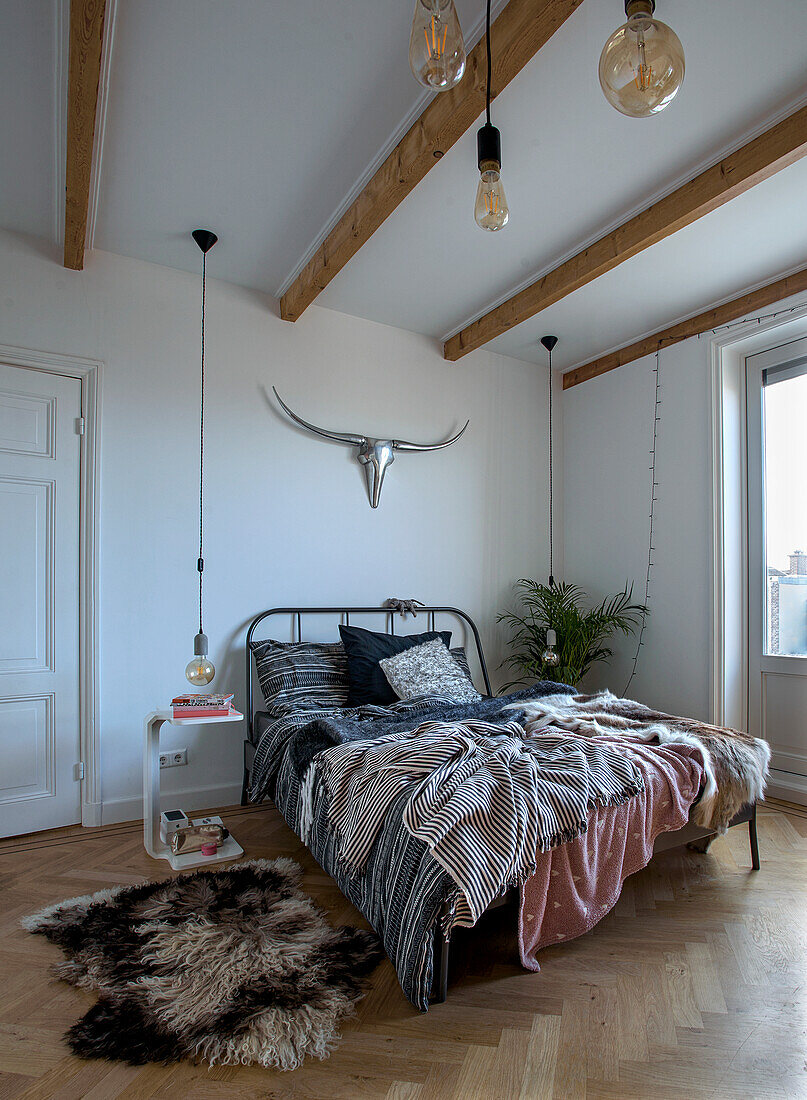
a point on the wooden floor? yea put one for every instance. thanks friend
(693, 987)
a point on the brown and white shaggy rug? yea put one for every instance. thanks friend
(233, 966)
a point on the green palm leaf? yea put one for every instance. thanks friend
(582, 632)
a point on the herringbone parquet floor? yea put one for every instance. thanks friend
(693, 987)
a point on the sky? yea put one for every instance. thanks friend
(786, 469)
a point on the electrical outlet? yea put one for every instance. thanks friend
(176, 758)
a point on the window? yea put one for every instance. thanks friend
(784, 423)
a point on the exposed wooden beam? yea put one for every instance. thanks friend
(756, 161)
(516, 36)
(86, 40)
(712, 318)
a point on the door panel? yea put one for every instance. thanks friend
(777, 556)
(784, 720)
(26, 424)
(27, 748)
(26, 551)
(39, 584)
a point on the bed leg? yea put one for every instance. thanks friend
(440, 979)
(249, 756)
(752, 836)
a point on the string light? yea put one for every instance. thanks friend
(653, 498)
(759, 319)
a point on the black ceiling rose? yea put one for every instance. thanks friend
(549, 342)
(205, 238)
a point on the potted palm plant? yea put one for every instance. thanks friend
(582, 632)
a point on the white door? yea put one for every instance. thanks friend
(777, 558)
(39, 607)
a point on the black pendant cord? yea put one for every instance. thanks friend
(549, 343)
(650, 547)
(487, 41)
(551, 486)
(201, 561)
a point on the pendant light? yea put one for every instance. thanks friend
(436, 46)
(642, 63)
(549, 343)
(491, 210)
(550, 655)
(201, 670)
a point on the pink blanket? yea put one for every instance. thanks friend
(576, 884)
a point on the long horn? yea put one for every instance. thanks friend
(339, 437)
(402, 445)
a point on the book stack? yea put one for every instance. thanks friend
(201, 706)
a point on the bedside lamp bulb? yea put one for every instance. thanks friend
(550, 656)
(200, 670)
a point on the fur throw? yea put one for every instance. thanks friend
(232, 966)
(736, 764)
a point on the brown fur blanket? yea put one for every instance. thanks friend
(736, 764)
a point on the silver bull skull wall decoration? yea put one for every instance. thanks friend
(375, 455)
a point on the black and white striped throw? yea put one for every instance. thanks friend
(485, 798)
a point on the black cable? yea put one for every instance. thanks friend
(551, 489)
(651, 547)
(200, 565)
(487, 40)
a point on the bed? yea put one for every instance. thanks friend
(403, 891)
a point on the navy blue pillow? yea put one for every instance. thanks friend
(364, 649)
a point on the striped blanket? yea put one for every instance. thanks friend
(404, 893)
(485, 798)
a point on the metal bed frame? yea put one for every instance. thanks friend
(343, 613)
(694, 836)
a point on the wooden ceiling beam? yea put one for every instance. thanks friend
(516, 36)
(713, 318)
(86, 41)
(756, 161)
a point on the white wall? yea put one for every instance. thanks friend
(294, 523)
(608, 429)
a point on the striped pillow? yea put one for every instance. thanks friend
(301, 676)
(461, 657)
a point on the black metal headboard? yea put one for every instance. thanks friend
(344, 614)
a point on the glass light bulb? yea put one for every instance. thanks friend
(491, 210)
(200, 670)
(550, 656)
(436, 46)
(642, 65)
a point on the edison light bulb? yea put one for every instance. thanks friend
(642, 63)
(200, 670)
(550, 656)
(490, 210)
(436, 47)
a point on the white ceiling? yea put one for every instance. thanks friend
(260, 119)
(28, 131)
(254, 118)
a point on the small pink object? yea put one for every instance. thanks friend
(209, 849)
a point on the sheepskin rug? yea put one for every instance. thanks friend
(234, 967)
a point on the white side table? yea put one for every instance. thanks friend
(230, 849)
